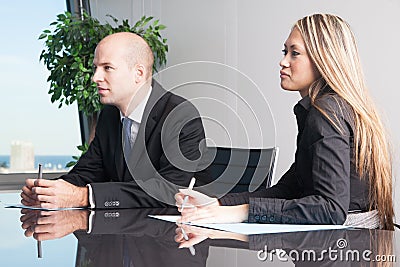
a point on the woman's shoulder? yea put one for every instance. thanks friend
(332, 102)
(333, 110)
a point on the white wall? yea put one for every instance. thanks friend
(248, 36)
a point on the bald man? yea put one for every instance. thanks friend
(148, 141)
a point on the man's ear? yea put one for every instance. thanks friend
(140, 73)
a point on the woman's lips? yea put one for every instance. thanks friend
(284, 74)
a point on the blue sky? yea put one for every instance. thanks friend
(26, 111)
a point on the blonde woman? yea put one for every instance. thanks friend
(342, 165)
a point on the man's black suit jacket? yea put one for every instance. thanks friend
(160, 142)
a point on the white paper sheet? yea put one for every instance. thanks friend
(255, 228)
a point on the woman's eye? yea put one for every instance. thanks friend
(295, 53)
(284, 52)
(107, 68)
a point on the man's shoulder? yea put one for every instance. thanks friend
(176, 99)
(170, 99)
(162, 93)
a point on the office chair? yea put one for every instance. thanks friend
(236, 170)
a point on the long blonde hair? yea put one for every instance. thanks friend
(331, 45)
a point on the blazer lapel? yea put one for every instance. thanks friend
(151, 116)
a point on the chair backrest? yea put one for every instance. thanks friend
(242, 169)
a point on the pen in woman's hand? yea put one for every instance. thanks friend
(191, 185)
(191, 248)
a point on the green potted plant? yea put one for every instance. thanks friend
(69, 52)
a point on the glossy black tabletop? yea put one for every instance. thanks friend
(130, 238)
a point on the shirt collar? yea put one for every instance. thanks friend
(137, 113)
(301, 110)
(303, 104)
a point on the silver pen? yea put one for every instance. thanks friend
(191, 248)
(39, 243)
(191, 185)
(185, 199)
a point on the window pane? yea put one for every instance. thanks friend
(32, 128)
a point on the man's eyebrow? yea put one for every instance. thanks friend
(102, 63)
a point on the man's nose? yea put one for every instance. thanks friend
(97, 77)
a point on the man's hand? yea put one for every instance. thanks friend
(51, 194)
(46, 225)
(28, 197)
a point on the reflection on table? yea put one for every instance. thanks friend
(351, 247)
(130, 238)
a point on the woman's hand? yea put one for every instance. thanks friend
(195, 199)
(197, 235)
(201, 208)
(193, 233)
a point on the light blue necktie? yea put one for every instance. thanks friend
(126, 140)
